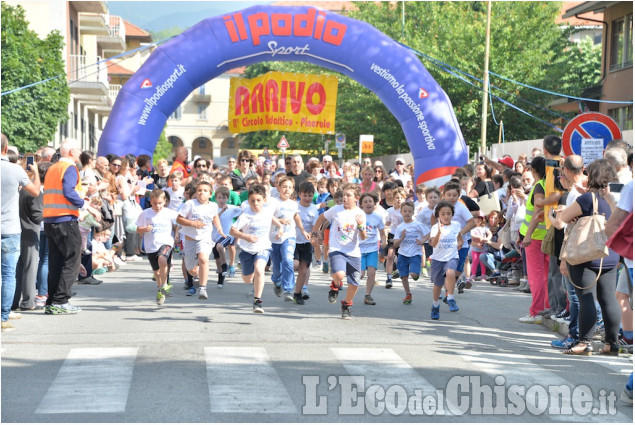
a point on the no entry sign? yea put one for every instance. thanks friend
(591, 125)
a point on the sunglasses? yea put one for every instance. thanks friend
(201, 166)
(379, 171)
(245, 160)
(115, 165)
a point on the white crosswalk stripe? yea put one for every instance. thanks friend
(243, 380)
(91, 380)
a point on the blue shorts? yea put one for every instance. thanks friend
(247, 260)
(408, 265)
(370, 259)
(462, 257)
(343, 263)
(439, 268)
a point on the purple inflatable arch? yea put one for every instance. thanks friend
(307, 34)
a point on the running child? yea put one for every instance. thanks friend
(348, 227)
(421, 202)
(283, 247)
(234, 199)
(176, 192)
(226, 213)
(426, 214)
(303, 247)
(156, 224)
(196, 217)
(252, 232)
(412, 236)
(445, 238)
(452, 194)
(480, 236)
(393, 220)
(369, 246)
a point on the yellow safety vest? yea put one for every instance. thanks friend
(541, 229)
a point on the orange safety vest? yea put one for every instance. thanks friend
(55, 203)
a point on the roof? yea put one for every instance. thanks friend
(116, 69)
(134, 31)
(573, 21)
(588, 6)
(239, 71)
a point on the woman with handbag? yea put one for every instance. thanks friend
(483, 181)
(592, 267)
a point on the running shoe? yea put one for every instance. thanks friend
(368, 300)
(408, 299)
(231, 271)
(563, 344)
(346, 311)
(305, 294)
(160, 297)
(435, 314)
(388, 283)
(258, 306)
(288, 296)
(297, 298)
(61, 309)
(191, 291)
(202, 293)
(277, 289)
(452, 304)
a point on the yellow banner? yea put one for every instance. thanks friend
(283, 101)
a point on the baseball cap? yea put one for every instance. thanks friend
(507, 161)
(400, 159)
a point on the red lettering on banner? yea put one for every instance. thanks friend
(314, 24)
(283, 96)
(296, 97)
(271, 95)
(242, 100)
(257, 100)
(316, 88)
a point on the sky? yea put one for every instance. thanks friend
(158, 15)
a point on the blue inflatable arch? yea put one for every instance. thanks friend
(307, 34)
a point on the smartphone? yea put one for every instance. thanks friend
(552, 163)
(616, 187)
(481, 158)
(29, 161)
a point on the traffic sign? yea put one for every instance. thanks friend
(283, 144)
(340, 140)
(590, 125)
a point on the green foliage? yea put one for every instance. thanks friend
(582, 65)
(163, 150)
(31, 116)
(166, 33)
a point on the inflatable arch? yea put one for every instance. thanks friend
(307, 34)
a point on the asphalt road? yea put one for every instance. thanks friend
(125, 359)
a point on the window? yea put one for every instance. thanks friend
(202, 112)
(623, 117)
(176, 115)
(231, 144)
(622, 42)
(202, 144)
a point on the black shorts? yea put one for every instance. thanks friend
(390, 244)
(225, 243)
(165, 251)
(303, 252)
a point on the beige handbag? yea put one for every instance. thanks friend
(489, 202)
(585, 240)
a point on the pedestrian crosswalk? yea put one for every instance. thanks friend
(247, 380)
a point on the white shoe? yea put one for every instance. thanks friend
(288, 296)
(14, 315)
(202, 293)
(119, 262)
(133, 258)
(537, 319)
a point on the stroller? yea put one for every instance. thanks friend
(510, 270)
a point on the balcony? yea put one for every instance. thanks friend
(93, 24)
(115, 42)
(113, 92)
(202, 98)
(88, 77)
(90, 6)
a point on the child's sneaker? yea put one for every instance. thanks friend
(468, 282)
(415, 277)
(221, 280)
(325, 267)
(368, 300)
(388, 283)
(395, 274)
(288, 296)
(277, 289)
(160, 297)
(563, 344)
(435, 314)
(460, 286)
(408, 299)
(297, 298)
(191, 291)
(305, 294)
(333, 293)
(202, 293)
(452, 304)
(166, 288)
(346, 311)
(231, 271)
(258, 306)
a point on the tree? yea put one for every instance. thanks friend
(582, 65)
(163, 149)
(31, 116)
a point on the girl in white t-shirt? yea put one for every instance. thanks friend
(410, 237)
(393, 220)
(348, 227)
(445, 239)
(369, 247)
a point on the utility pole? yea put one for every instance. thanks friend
(486, 81)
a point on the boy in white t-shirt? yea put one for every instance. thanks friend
(227, 213)
(252, 232)
(394, 219)
(303, 255)
(196, 217)
(157, 224)
(283, 247)
(369, 247)
(425, 215)
(411, 237)
(421, 201)
(445, 239)
(348, 227)
(176, 192)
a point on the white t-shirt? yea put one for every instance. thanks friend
(425, 216)
(462, 215)
(382, 212)
(343, 236)
(414, 231)
(626, 204)
(309, 216)
(98, 247)
(258, 225)
(446, 249)
(226, 216)
(194, 210)
(419, 205)
(161, 233)
(286, 210)
(374, 223)
(394, 219)
(176, 198)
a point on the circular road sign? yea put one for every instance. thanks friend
(590, 125)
